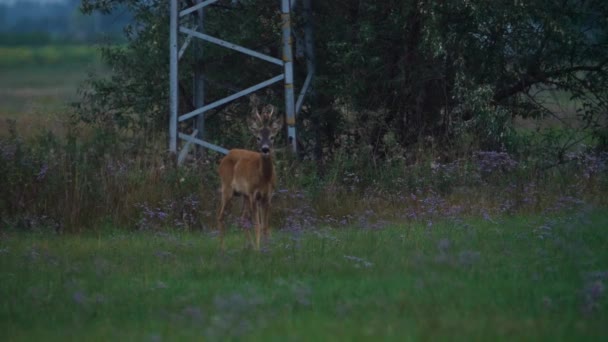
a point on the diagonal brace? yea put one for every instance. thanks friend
(231, 97)
(203, 143)
(196, 7)
(229, 45)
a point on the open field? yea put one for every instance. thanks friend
(37, 84)
(516, 278)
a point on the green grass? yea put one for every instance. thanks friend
(519, 278)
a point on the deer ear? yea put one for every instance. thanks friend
(276, 125)
(254, 123)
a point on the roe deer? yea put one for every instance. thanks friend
(251, 175)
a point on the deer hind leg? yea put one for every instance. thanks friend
(225, 204)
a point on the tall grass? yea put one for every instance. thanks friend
(83, 181)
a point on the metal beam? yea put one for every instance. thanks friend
(196, 7)
(230, 98)
(288, 66)
(173, 91)
(232, 46)
(303, 92)
(311, 62)
(185, 149)
(199, 80)
(185, 46)
(208, 145)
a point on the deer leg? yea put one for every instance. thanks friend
(265, 218)
(247, 210)
(258, 224)
(226, 197)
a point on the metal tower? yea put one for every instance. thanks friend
(291, 107)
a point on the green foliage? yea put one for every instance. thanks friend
(487, 279)
(490, 126)
(135, 95)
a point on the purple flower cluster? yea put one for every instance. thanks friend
(489, 162)
(182, 213)
(593, 291)
(235, 314)
(589, 164)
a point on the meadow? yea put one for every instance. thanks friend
(507, 278)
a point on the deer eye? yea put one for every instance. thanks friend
(271, 138)
(259, 138)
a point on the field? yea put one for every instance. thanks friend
(37, 84)
(516, 278)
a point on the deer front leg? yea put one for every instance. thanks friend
(265, 218)
(247, 211)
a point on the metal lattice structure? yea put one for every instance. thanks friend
(198, 114)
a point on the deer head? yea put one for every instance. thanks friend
(264, 127)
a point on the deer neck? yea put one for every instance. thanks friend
(266, 167)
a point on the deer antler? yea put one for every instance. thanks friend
(268, 111)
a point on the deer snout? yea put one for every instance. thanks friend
(265, 149)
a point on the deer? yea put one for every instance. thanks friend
(251, 174)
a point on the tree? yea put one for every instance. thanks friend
(420, 62)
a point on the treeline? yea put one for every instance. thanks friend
(31, 22)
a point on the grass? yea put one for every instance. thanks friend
(517, 278)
